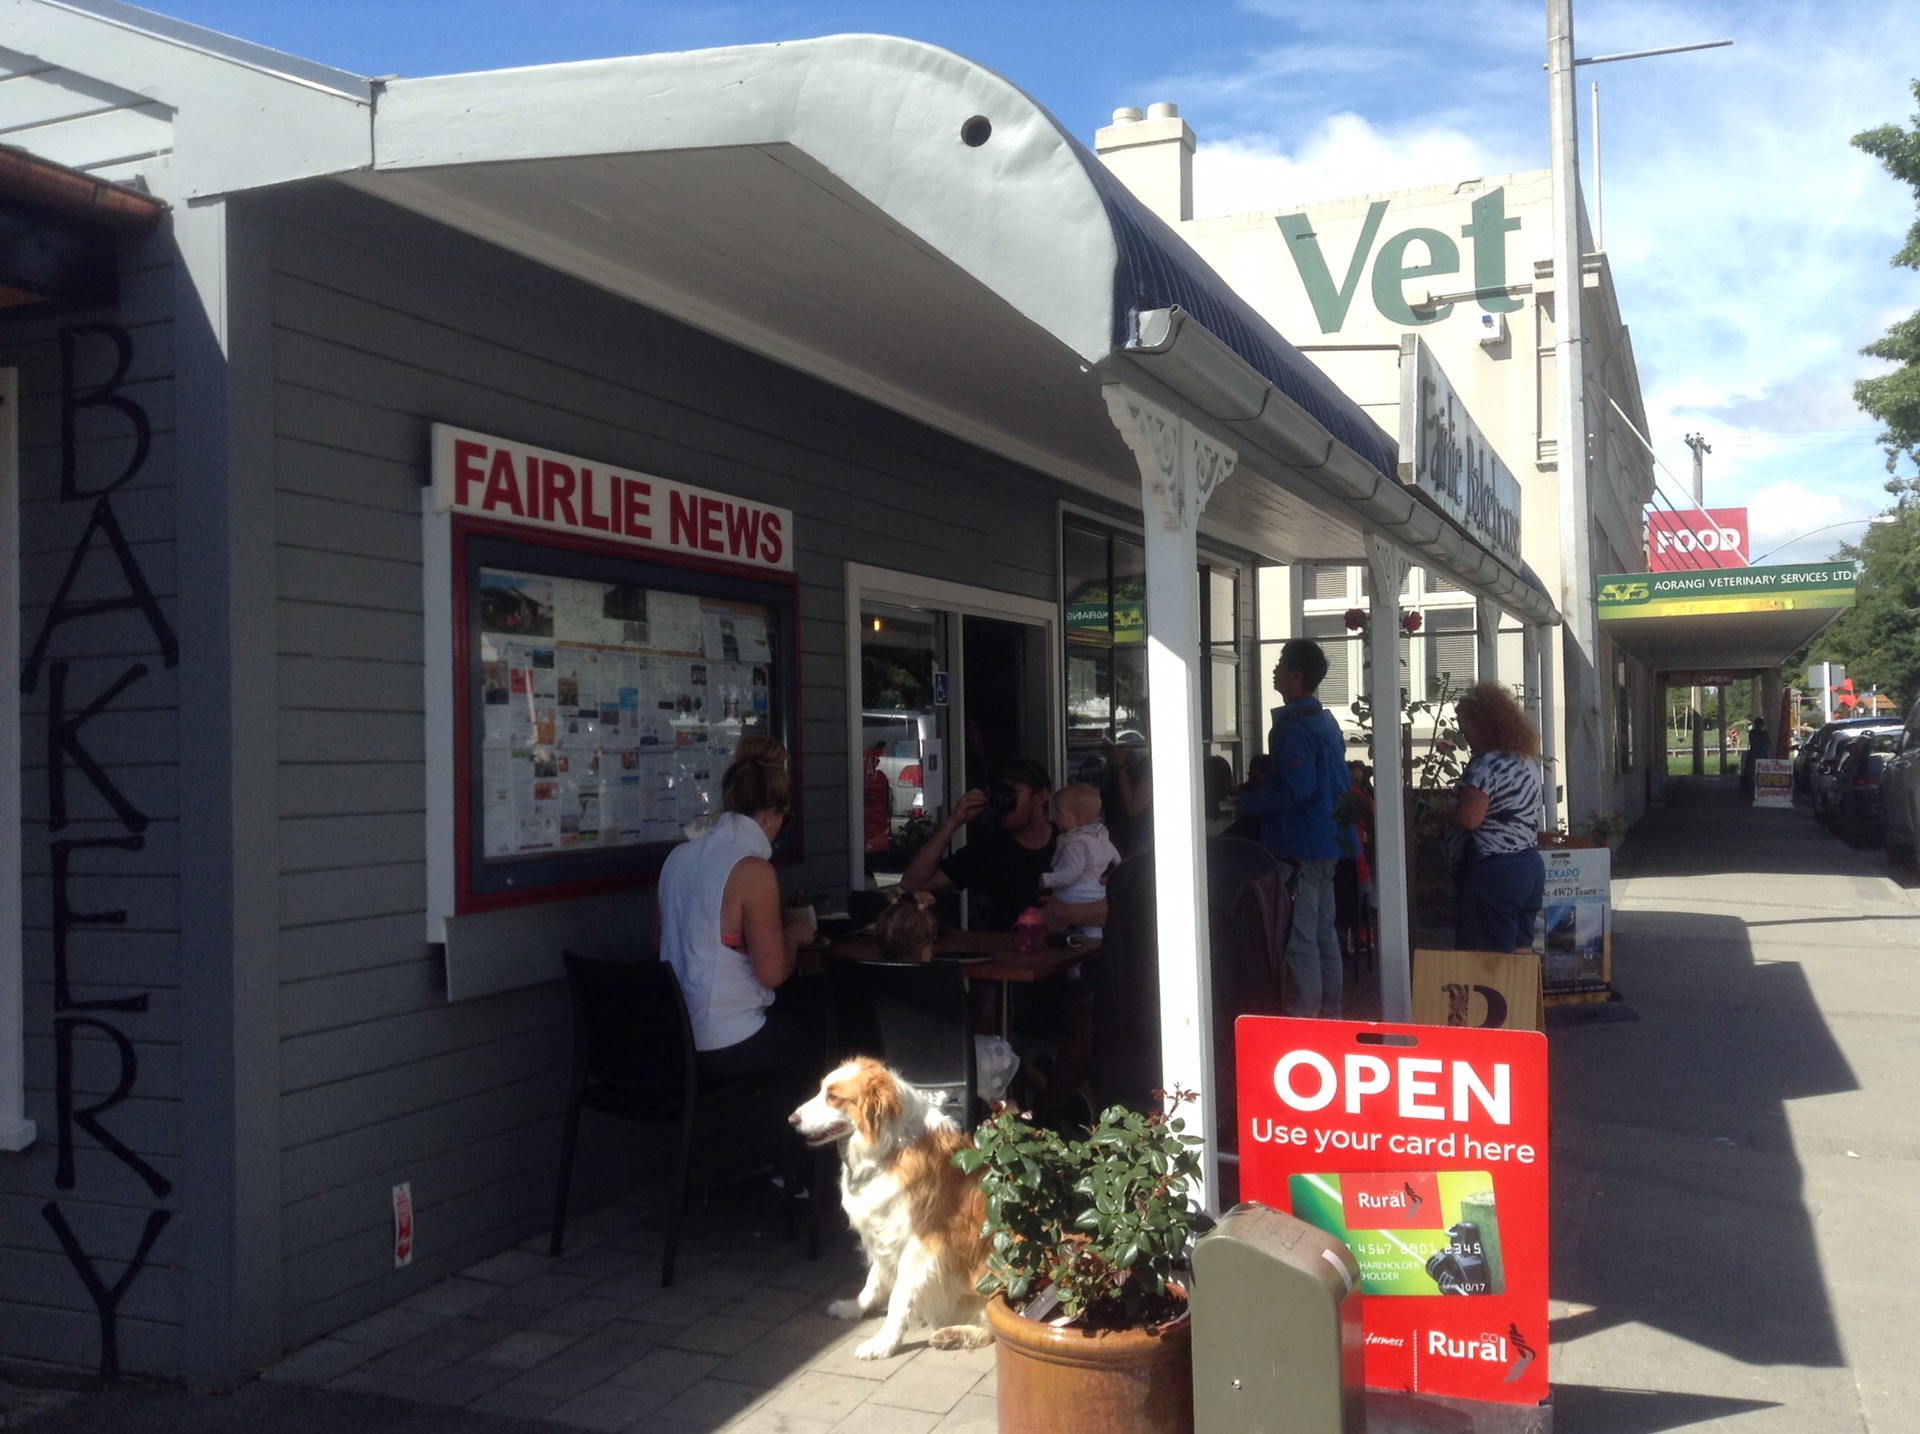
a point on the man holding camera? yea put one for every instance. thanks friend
(1003, 862)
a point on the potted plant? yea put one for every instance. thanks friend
(1088, 1240)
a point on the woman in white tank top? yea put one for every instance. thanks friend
(721, 927)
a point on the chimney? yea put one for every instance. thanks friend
(1152, 154)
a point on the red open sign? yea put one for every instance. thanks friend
(1425, 1149)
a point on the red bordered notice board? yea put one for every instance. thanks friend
(1425, 1149)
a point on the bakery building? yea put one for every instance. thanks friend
(415, 488)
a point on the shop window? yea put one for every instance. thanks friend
(1623, 715)
(1327, 582)
(1103, 576)
(1342, 682)
(1451, 650)
(901, 732)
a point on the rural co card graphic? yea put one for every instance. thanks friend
(1413, 1232)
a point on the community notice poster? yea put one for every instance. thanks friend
(1574, 935)
(609, 711)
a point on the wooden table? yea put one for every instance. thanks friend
(1006, 962)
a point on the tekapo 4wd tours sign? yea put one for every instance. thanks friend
(1425, 1149)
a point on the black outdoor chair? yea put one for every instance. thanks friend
(914, 1017)
(633, 1058)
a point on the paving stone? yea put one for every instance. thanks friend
(456, 1296)
(765, 1364)
(559, 1379)
(720, 1334)
(762, 1420)
(769, 1302)
(365, 1381)
(390, 1328)
(840, 1358)
(523, 1349)
(544, 1291)
(676, 1306)
(666, 1371)
(872, 1419)
(642, 1282)
(710, 1402)
(814, 1328)
(509, 1267)
(976, 1414)
(623, 1340)
(457, 1384)
(817, 1395)
(320, 1362)
(579, 1314)
(506, 1402)
(926, 1387)
(607, 1406)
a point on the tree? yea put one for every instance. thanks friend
(1894, 398)
(1878, 638)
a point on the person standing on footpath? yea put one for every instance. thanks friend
(1305, 781)
(1498, 878)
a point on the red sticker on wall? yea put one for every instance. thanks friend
(402, 1224)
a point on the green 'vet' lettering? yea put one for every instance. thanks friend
(1330, 305)
(1488, 231)
(1391, 270)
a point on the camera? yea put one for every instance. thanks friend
(1002, 797)
(1461, 1268)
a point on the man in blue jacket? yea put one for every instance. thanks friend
(1308, 777)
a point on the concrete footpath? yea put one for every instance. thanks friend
(1733, 1240)
(1735, 1145)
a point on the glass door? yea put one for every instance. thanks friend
(903, 733)
(953, 681)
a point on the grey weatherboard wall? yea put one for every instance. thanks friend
(124, 974)
(382, 323)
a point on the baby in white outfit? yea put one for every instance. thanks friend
(1085, 852)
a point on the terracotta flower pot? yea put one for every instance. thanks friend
(1069, 1381)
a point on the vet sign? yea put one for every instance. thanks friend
(1451, 460)
(1424, 1148)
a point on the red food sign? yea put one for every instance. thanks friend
(1687, 541)
(1425, 1149)
(532, 487)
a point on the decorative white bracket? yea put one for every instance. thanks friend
(1180, 465)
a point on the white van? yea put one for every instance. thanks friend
(899, 737)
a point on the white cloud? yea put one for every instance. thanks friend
(1346, 154)
(1797, 524)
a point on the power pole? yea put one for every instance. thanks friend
(1583, 762)
(1700, 449)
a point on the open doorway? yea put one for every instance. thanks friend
(949, 683)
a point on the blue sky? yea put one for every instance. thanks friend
(1749, 242)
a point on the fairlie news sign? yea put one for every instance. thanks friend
(485, 477)
(1445, 455)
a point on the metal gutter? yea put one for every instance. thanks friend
(74, 194)
(1181, 354)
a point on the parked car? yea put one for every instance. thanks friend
(899, 737)
(1814, 749)
(1857, 813)
(1900, 792)
(1826, 776)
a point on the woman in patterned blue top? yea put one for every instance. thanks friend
(1498, 879)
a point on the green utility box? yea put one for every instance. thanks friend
(1276, 1328)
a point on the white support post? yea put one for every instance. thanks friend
(1179, 468)
(16, 1131)
(1386, 570)
(1486, 632)
(1551, 775)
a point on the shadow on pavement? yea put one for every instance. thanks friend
(1578, 1408)
(1677, 1198)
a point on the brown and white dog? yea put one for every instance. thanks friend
(918, 1217)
